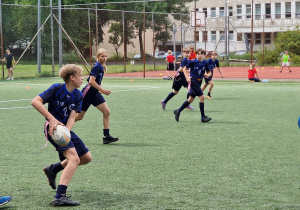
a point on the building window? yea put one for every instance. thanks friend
(287, 9)
(297, 9)
(239, 37)
(213, 36)
(231, 37)
(267, 38)
(258, 38)
(257, 11)
(268, 10)
(197, 36)
(230, 11)
(277, 10)
(205, 11)
(222, 35)
(213, 12)
(222, 12)
(204, 36)
(248, 11)
(239, 12)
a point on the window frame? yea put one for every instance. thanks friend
(267, 10)
(211, 12)
(288, 5)
(213, 36)
(257, 16)
(239, 12)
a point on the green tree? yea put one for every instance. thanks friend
(288, 40)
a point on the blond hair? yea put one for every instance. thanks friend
(169, 52)
(99, 52)
(186, 50)
(69, 69)
(214, 53)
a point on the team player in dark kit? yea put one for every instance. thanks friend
(179, 80)
(92, 94)
(212, 63)
(9, 57)
(199, 69)
(64, 102)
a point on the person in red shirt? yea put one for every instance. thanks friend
(170, 64)
(192, 54)
(251, 74)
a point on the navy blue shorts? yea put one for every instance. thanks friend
(91, 96)
(76, 142)
(8, 65)
(179, 81)
(195, 88)
(207, 80)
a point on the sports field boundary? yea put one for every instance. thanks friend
(230, 73)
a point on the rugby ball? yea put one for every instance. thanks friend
(61, 135)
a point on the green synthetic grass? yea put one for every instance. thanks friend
(247, 157)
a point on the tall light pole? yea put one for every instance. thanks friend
(195, 28)
(252, 31)
(226, 37)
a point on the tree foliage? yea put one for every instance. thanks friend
(288, 40)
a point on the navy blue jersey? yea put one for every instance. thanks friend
(97, 72)
(213, 64)
(184, 62)
(9, 57)
(61, 102)
(198, 68)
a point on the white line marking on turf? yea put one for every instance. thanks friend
(24, 107)
(116, 91)
(15, 100)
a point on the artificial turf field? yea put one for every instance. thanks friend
(247, 157)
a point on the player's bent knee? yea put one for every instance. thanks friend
(85, 159)
(175, 92)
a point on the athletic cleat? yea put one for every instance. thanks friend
(210, 98)
(190, 107)
(12, 78)
(177, 114)
(163, 104)
(64, 201)
(280, 71)
(8, 78)
(290, 71)
(4, 200)
(205, 119)
(51, 176)
(109, 139)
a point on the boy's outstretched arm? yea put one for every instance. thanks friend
(37, 103)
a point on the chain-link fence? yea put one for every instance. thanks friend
(89, 27)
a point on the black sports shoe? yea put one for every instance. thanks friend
(51, 176)
(177, 114)
(64, 201)
(205, 119)
(109, 139)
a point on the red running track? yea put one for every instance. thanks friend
(230, 72)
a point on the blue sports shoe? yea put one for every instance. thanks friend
(4, 200)
(163, 105)
(190, 107)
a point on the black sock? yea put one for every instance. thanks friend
(183, 106)
(169, 97)
(201, 105)
(57, 167)
(105, 132)
(208, 93)
(61, 189)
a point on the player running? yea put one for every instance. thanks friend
(212, 63)
(179, 80)
(199, 69)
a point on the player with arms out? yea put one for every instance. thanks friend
(64, 102)
(179, 80)
(92, 94)
(199, 69)
(212, 63)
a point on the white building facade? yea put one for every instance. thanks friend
(269, 18)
